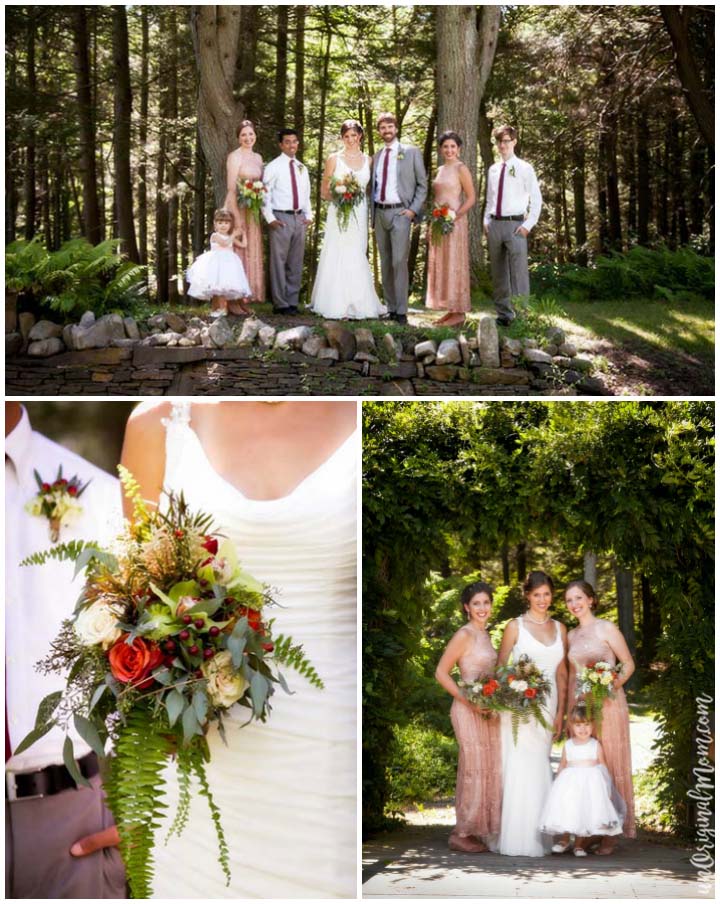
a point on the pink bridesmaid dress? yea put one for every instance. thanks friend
(478, 797)
(448, 285)
(585, 646)
(252, 255)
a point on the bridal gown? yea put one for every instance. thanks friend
(344, 285)
(527, 775)
(286, 788)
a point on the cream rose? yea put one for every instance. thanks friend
(519, 686)
(97, 624)
(225, 684)
(607, 679)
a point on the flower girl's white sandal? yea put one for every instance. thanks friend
(561, 848)
(580, 852)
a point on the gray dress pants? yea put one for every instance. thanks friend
(508, 265)
(38, 836)
(287, 251)
(392, 234)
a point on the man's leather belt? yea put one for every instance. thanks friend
(50, 780)
(517, 219)
(288, 211)
(388, 206)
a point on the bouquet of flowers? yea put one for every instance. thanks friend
(596, 683)
(57, 501)
(252, 195)
(484, 692)
(442, 223)
(346, 194)
(169, 633)
(523, 691)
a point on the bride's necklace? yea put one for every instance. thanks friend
(536, 621)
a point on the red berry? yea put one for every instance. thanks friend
(184, 635)
(214, 631)
(209, 653)
(170, 646)
(198, 673)
(46, 487)
(268, 647)
(186, 619)
(72, 490)
(179, 534)
(194, 650)
(199, 623)
(203, 583)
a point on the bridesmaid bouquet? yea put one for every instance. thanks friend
(596, 683)
(484, 692)
(346, 194)
(252, 196)
(169, 633)
(442, 223)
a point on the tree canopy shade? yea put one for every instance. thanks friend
(629, 479)
(119, 118)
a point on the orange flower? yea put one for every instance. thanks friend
(133, 663)
(530, 693)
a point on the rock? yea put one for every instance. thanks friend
(11, 321)
(426, 349)
(221, 333)
(567, 349)
(364, 340)
(488, 342)
(87, 320)
(366, 356)
(474, 359)
(464, 349)
(390, 348)
(312, 346)
(123, 343)
(328, 354)
(550, 349)
(173, 342)
(249, 332)
(448, 352)
(571, 377)
(186, 342)
(464, 374)
(131, 328)
(473, 343)
(45, 329)
(397, 387)
(443, 374)
(205, 338)
(565, 363)
(529, 343)
(294, 338)
(554, 335)
(175, 322)
(536, 356)
(420, 371)
(591, 386)
(514, 346)
(499, 376)
(99, 334)
(193, 334)
(157, 322)
(26, 321)
(163, 338)
(584, 365)
(342, 339)
(506, 358)
(266, 337)
(13, 344)
(46, 347)
(196, 323)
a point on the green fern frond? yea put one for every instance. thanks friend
(198, 766)
(134, 494)
(291, 654)
(62, 552)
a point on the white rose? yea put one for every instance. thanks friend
(97, 624)
(258, 185)
(520, 686)
(225, 684)
(602, 666)
(606, 679)
(452, 214)
(339, 189)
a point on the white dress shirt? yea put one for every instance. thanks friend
(279, 194)
(391, 190)
(39, 597)
(521, 192)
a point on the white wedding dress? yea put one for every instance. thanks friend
(527, 775)
(286, 788)
(344, 285)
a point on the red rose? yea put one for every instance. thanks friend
(488, 689)
(530, 693)
(444, 211)
(248, 185)
(347, 196)
(179, 534)
(133, 663)
(211, 544)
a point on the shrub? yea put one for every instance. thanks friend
(423, 768)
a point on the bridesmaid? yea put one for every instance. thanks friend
(448, 286)
(479, 790)
(596, 640)
(243, 163)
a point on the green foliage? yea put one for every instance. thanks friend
(534, 317)
(61, 552)
(78, 277)
(424, 768)
(292, 655)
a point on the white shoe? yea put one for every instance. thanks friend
(216, 314)
(580, 852)
(560, 848)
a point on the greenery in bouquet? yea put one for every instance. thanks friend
(168, 634)
(523, 690)
(442, 222)
(485, 692)
(346, 193)
(251, 195)
(596, 683)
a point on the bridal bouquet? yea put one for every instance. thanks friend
(169, 633)
(346, 194)
(523, 689)
(596, 682)
(252, 195)
(442, 223)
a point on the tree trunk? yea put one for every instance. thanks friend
(215, 31)
(466, 43)
(624, 590)
(697, 178)
(644, 196)
(505, 556)
(122, 118)
(88, 171)
(415, 239)
(521, 560)
(299, 98)
(173, 178)
(324, 88)
(710, 197)
(651, 623)
(590, 569)
(628, 157)
(603, 229)
(246, 45)
(578, 183)
(281, 64)
(199, 200)
(557, 208)
(30, 175)
(142, 134)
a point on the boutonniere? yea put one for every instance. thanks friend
(57, 501)
(401, 154)
(511, 171)
(300, 166)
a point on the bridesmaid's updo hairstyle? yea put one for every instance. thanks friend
(450, 136)
(472, 590)
(351, 124)
(244, 124)
(587, 589)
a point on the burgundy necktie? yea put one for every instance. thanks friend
(386, 163)
(293, 179)
(498, 206)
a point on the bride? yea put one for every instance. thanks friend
(343, 284)
(527, 775)
(279, 481)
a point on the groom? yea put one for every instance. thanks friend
(399, 191)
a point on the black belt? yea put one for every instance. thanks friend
(517, 219)
(296, 212)
(388, 206)
(50, 780)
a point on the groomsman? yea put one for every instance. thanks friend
(288, 214)
(45, 812)
(399, 192)
(512, 209)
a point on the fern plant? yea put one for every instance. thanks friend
(288, 653)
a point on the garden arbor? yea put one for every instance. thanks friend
(627, 479)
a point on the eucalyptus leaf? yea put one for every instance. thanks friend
(38, 732)
(174, 703)
(283, 683)
(97, 694)
(47, 707)
(89, 733)
(71, 765)
(190, 724)
(236, 646)
(200, 705)
(259, 687)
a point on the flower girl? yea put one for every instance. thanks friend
(218, 274)
(582, 800)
